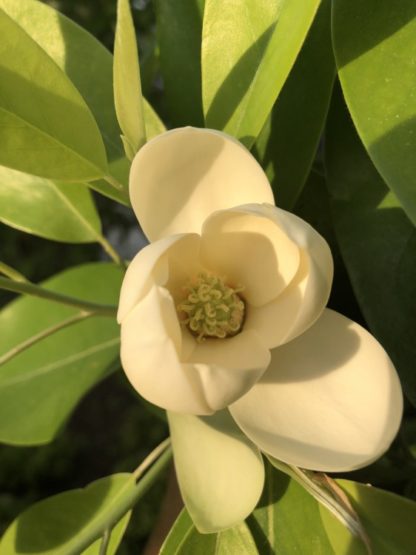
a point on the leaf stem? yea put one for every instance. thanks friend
(113, 182)
(28, 288)
(150, 459)
(104, 542)
(12, 273)
(110, 250)
(42, 335)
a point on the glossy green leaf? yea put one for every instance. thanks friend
(69, 45)
(388, 519)
(184, 539)
(375, 50)
(217, 493)
(288, 142)
(288, 519)
(127, 86)
(46, 128)
(69, 522)
(247, 58)
(179, 30)
(377, 242)
(40, 386)
(59, 211)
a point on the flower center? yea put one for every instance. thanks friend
(211, 308)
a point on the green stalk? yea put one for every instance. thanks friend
(27, 288)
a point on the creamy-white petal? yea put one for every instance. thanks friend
(220, 472)
(330, 400)
(180, 177)
(250, 249)
(151, 344)
(156, 264)
(228, 368)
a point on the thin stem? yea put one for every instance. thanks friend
(37, 291)
(42, 335)
(104, 542)
(113, 182)
(12, 273)
(150, 459)
(112, 253)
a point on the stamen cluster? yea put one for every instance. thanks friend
(211, 308)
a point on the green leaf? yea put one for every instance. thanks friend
(288, 520)
(69, 522)
(388, 519)
(179, 31)
(69, 46)
(375, 50)
(127, 86)
(288, 142)
(114, 541)
(59, 211)
(40, 386)
(247, 58)
(46, 128)
(377, 242)
(184, 539)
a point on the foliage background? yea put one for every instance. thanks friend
(111, 431)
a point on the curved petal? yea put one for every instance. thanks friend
(180, 177)
(151, 341)
(156, 264)
(220, 472)
(251, 249)
(330, 400)
(304, 299)
(228, 368)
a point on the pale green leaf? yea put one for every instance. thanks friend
(184, 539)
(288, 519)
(377, 242)
(288, 142)
(69, 522)
(179, 30)
(217, 492)
(247, 58)
(40, 386)
(69, 46)
(60, 211)
(375, 50)
(388, 519)
(127, 86)
(46, 128)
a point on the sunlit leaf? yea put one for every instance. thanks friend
(377, 242)
(127, 86)
(46, 128)
(388, 519)
(69, 46)
(184, 539)
(40, 386)
(179, 29)
(247, 58)
(59, 211)
(69, 522)
(288, 520)
(375, 50)
(288, 142)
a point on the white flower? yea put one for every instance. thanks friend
(224, 314)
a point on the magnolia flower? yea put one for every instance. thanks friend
(223, 323)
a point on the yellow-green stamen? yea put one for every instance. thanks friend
(211, 309)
